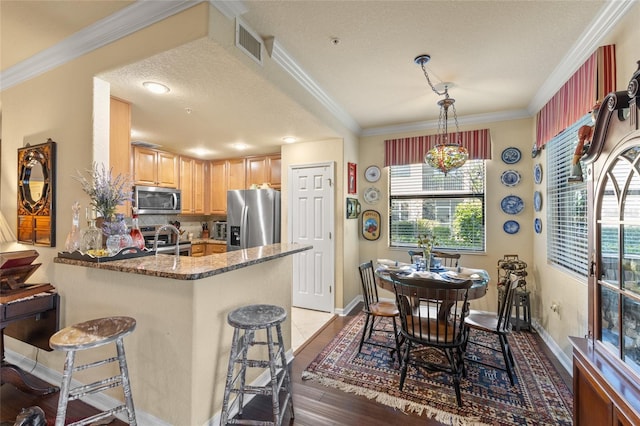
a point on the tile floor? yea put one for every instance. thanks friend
(304, 323)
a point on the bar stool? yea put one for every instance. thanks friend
(246, 321)
(88, 335)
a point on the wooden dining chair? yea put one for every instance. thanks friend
(449, 260)
(376, 311)
(413, 254)
(437, 321)
(498, 325)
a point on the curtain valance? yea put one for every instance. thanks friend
(412, 150)
(591, 83)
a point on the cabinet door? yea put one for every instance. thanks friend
(144, 162)
(218, 187)
(120, 143)
(275, 170)
(215, 249)
(197, 250)
(186, 187)
(167, 169)
(257, 171)
(198, 185)
(236, 174)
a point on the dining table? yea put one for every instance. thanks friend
(479, 277)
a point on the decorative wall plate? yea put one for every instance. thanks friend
(511, 155)
(511, 227)
(537, 225)
(372, 195)
(510, 178)
(537, 173)
(537, 201)
(372, 173)
(371, 225)
(512, 204)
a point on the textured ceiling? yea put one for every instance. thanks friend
(497, 54)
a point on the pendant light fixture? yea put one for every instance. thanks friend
(447, 154)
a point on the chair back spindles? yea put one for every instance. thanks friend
(504, 315)
(369, 287)
(449, 260)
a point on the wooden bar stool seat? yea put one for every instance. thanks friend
(246, 321)
(88, 335)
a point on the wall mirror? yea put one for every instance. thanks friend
(36, 194)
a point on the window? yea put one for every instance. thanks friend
(452, 206)
(566, 203)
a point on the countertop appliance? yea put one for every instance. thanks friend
(166, 241)
(157, 200)
(253, 218)
(219, 231)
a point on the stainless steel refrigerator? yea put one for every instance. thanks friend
(253, 218)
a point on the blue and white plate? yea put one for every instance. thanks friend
(512, 204)
(511, 155)
(537, 225)
(511, 227)
(537, 201)
(537, 173)
(510, 178)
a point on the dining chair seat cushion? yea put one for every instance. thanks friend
(431, 329)
(384, 309)
(482, 321)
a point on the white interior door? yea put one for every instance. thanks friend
(311, 221)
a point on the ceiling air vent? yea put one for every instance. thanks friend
(145, 144)
(248, 41)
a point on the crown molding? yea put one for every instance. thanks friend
(281, 57)
(609, 15)
(126, 21)
(230, 9)
(493, 117)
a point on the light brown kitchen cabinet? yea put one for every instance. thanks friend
(120, 143)
(215, 249)
(236, 177)
(192, 184)
(264, 169)
(197, 249)
(155, 168)
(218, 187)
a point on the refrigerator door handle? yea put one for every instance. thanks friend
(244, 234)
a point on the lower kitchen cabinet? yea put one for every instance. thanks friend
(197, 249)
(215, 248)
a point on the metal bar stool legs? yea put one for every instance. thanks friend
(87, 335)
(246, 321)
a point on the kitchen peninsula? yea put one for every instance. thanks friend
(178, 354)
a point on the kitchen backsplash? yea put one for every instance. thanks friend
(190, 224)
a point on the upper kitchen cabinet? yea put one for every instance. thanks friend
(264, 169)
(192, 185)
(155, 168)
(225, 175)
(119, 142)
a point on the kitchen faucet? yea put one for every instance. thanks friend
(172, 228)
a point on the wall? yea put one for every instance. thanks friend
(516, 133)
(556, 284)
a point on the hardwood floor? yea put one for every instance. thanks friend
(314, 404)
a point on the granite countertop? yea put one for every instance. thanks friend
(193, 268)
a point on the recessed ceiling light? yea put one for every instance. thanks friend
(289, 139)
(154, 87)
(240, 146)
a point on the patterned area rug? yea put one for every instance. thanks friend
(539, 397)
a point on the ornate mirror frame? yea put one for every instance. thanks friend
(36, 194)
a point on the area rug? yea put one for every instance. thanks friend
(539, 396)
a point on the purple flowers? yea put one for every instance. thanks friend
(106, 192)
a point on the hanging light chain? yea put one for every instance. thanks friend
(426, 74)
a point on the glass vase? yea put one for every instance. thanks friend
(426, 254)
(74, 238)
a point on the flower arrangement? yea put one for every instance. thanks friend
(426, 241)
(106, 192)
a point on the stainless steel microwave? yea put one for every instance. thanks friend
(157, 200)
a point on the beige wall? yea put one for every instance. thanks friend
(505, 134)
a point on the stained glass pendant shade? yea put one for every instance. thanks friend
(447, 154)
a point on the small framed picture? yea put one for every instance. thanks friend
(353, 208)
(370, 225)
(352, 178)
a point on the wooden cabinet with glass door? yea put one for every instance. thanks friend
(607, 361)
(192, 185)
(155, 168)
